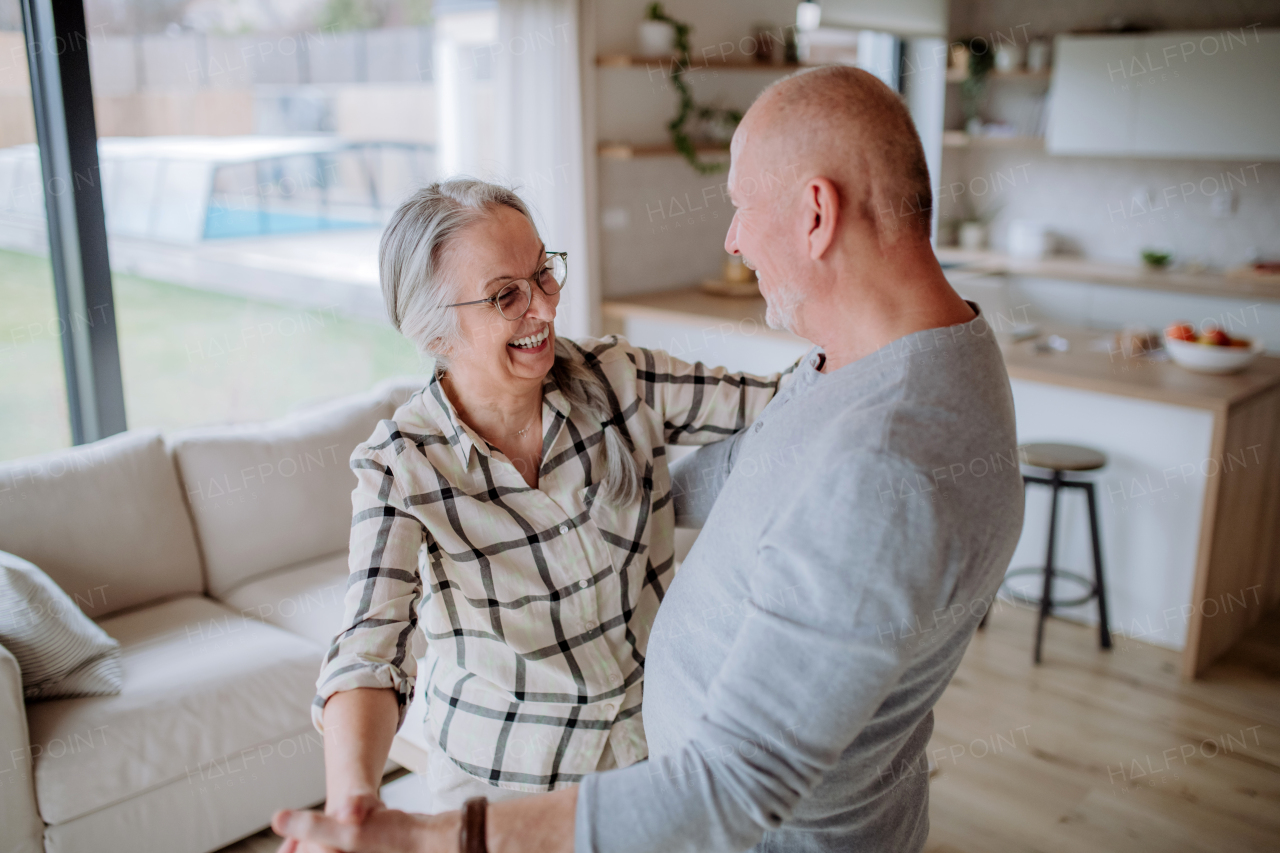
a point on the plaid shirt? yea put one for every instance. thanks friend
(536, 603)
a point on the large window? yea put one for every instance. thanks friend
(249, 155)
(33, 396)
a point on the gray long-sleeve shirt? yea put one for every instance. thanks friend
(863, 525)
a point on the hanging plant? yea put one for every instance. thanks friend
(688, 107)
(975, 84)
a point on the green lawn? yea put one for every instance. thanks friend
(188, 356)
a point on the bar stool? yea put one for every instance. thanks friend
(1058, 458)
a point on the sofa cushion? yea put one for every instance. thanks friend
(306, 599)
(397, 390)
(208, 694)
(266, 496)
(105, 520)
(61, 651)
(196, 817)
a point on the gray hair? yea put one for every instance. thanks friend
(417, 289)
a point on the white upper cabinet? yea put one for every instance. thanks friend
(1205, 95)
(900, 17)
(1092, 103)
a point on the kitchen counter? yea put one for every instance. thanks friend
(1086, 367)
(692, 302)
(1080, 367)
(1190, 499)
(1207, 283)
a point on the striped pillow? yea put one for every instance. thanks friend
(60, 651)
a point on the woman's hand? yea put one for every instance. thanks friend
(351, 809)
(381, 830)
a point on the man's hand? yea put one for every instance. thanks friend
(381, 830)
(350, 809)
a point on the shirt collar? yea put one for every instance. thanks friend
(553, 397)
(441, 411)
(461, 437)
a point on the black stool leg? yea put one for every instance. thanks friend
(1046, 600)
(1104, 629)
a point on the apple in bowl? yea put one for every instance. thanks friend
(1210, 351)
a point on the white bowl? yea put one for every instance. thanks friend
(1207, 358)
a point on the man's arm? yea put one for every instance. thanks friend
(696, 480)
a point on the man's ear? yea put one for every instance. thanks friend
(822, 212)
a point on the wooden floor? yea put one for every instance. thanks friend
(1105, 751)
(1097, 751)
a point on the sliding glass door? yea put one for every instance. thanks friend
(33, 393)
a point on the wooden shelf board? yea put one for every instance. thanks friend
(959, 75)
(1237, 284)
(960, 139)
(627, 151)
(665, 63)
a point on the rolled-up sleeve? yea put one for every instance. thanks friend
(700, 404)
(373, 646)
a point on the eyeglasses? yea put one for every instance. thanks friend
(514, 299)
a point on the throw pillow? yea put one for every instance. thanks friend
(62, 653)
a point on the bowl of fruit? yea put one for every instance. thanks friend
(1211, 350)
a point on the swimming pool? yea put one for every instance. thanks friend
(225, 222)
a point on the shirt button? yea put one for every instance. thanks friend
(583, 583)
(591, 625)
(564, 529)
(759, 426)
(610, 708)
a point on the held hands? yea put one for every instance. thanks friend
(349, 809)
(362, 824)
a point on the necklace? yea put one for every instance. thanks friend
(523, 431)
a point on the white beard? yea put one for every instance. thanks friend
(780, 311)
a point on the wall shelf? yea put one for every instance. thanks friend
(959, 75)
(960, 139)
(627, 151)
(696, 63)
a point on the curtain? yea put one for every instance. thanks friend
(538, 98)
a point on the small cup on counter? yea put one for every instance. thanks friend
(973, 236)
(1029, 240)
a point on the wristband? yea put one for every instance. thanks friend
(471, 838)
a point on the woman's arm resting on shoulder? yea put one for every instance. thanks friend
(700, 404)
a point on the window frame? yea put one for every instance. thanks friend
(57, 43)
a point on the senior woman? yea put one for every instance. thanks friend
(517, 511)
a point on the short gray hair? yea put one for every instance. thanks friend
(415, 286)
(417, 290)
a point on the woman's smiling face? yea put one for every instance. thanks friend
(484, 257)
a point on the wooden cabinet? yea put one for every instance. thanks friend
(1196, 95)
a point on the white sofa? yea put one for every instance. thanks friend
(218, 558)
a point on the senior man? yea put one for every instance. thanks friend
(859, 530)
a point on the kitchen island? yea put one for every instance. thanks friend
(1190, 499)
